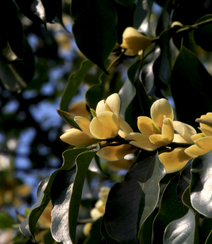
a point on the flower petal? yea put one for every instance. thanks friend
(113, 101)
(160, 109)
(168, 130)
(83, 124)
(105, 125)
(157, 140)
(175, 160)
(205, 143)
(141, 141)
(113, 153)
(77, 137)
(145, 125)
(179, 139)
(100, 107)
(206, 131)
(194, 151)
(186, 131)
(124, 126)
(79, 109)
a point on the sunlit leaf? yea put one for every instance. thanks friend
(135, 198)
(94, 29)
(74, 81)
(201, 184)
(181, 230)
(192, 81)
(27, 227)
(68, 118)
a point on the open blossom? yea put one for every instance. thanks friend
(105, 125)
(158, 131)
(134, 41)
(202, 141)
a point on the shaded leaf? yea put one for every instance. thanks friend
(181, 230)
(95, 233)
(135, 198)
(94, 29)
(74, 81)
(171, 208)
(68, 118)
(27, 227)
(125, 2)
(192, 81)
(201, 184)
(17, 73)
(209, 238)
(205, 230)
(203, 34)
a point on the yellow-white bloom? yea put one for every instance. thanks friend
(158, 131)
(105, 125)
(202, 141)
(134, 41)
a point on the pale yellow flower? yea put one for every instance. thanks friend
(105, 125)
(158, 131)
(79, 109)
(134, 42)
(202, 141)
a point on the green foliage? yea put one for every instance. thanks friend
(147, 204)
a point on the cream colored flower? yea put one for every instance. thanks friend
(79, 109)
(202, 141)
(158, 131)
(134, 41)
(105, 125)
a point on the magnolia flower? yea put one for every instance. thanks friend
(202, 141)
(134, 41)
(106, 124)
(79, 109)
(158, 131)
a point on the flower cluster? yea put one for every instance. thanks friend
(176, 142)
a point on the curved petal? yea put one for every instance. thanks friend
(208, 121)
(77, 137)
(167, 130)
(209, 114)
(194, 151)
(197, 136)
(104, 126)
(157, 140)
(141, 141)
(124, 126)
(83, 124)
(145, 125)
(206, 131)
(161, 109)
(79, 109)
(100, 107)
(179, 139)
(186, 131)
(120, 164)
(113, 101)
(175, 160)
(205, 143)
(113, 153)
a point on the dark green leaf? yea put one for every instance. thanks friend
(95, 233)
(133, 200)
(27, 227)
(74, 81)
(209, 238)
(201, 182)
(94, 29)
(192, 81)
(68, 118)
(125, 2)
(5, 221)
(82, 162)
(205, 229)
(181, 230)
(184, 180)
(203, 34)
(171, 208)
(17, 73)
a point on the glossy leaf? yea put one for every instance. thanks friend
(82, 163)
(135, 198)
(181, 230)
(203, 34)
(74, 82)
(27, 227)
(201, 183)
(171, 208)
(192, 81)
(94, 29)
